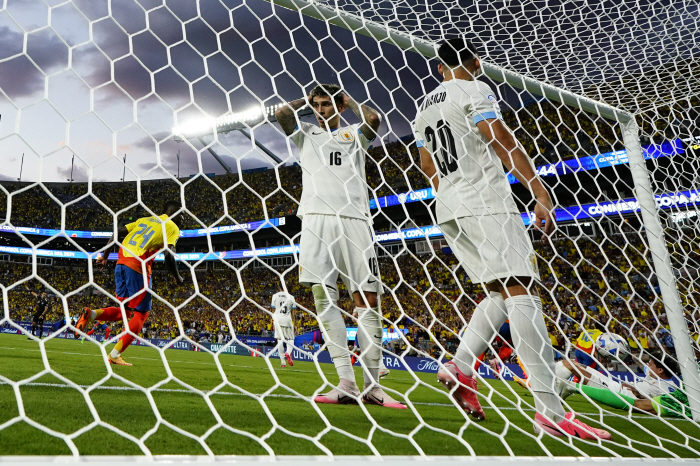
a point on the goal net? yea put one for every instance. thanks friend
(110, 109)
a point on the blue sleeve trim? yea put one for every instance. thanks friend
(485, 116)
(296, 127)
(419, 143)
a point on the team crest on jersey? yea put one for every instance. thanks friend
(533, 260)
(346, 135)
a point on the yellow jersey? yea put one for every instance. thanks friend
(146, 236)
(586, 341)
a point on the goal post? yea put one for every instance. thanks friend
(662, 265)
(630, 130)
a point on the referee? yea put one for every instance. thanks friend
(42, 308)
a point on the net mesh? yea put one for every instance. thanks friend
(119, 99)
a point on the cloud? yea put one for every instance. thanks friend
(79, 173)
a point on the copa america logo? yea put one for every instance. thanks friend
(402, 198)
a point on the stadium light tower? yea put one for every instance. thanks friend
(235, 121)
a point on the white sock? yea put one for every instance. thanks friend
(561, 371)
(332, 324)
(534, 348)
(290, 347)
(93, 315)
(114, 354)
(487, 319)
(369, 336)
(280, 350)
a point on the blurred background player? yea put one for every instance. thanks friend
(42, 308)
(464, 145)
(502, 348)
(282, 319)
(585, 346)
(98, 326)
(336, 232)
(140, 242)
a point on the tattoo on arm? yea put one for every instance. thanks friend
(286, 114)
(371, 119)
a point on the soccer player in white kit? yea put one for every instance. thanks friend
(464, 146)
(336, 235)
(283, 303)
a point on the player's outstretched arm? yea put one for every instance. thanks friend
(171, 264)
(112, 245)
(520, 165)
(371, 119)
(286, 114)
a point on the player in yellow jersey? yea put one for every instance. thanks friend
(584, 354)
(140, 242)
(585, 347)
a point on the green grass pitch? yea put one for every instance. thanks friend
(283, 421)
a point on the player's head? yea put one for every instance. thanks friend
(663, 365)
(327, 102)
(43, 294)
(171, 209)
(459, 59)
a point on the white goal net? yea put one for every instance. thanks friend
(110, 109)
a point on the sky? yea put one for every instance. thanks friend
(84, 83)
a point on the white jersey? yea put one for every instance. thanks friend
(283, 304)
(333, 171)
(472, 177)
(652, 386)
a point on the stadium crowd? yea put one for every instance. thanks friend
(604, 279)
(547, 132)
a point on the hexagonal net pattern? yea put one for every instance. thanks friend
(118, 98)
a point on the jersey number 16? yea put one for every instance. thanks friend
(334, 159)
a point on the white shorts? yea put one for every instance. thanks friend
(284, 333)
(284, 328)
(332, 245)
(492, 247)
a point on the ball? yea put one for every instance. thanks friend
(612, 345)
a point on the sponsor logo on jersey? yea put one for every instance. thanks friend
(346, 135)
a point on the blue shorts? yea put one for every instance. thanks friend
(585, 359)
(504, 333)
(129, 284)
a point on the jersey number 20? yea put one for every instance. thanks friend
(446, 158)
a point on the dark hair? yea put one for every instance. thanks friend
(330, 90)
(453, 52)
(172, 206)
(665, 361)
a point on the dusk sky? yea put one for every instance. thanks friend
(102, 79)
